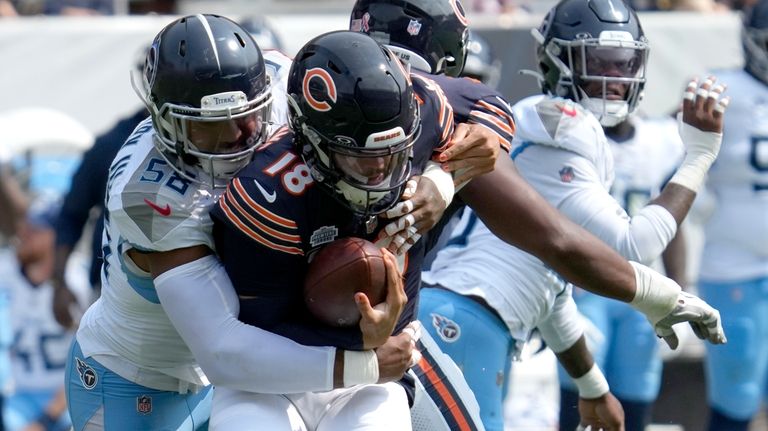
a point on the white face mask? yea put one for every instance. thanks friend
(608, 112)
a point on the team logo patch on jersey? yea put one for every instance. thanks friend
(87, 374)
(319, 89)
(144, 404)
(448, 330)
(414, 27)
(566, 174)
(323, 235)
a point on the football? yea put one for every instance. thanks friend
(339, 270)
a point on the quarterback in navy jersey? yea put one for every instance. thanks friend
(274, 215)
(360, 127)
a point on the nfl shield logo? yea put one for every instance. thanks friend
(414, 27)
(566, 174)
(144, 404)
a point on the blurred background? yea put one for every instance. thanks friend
(64, 81)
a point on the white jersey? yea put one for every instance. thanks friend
(561, 150)
(736, 246)
(150, 207)
(645, 162)
(40, 345)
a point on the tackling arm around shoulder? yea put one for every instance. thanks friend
(202, 304)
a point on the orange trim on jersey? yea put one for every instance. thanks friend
(274, 218)
(261, 226)
(504, 116)
(493, 119)
(253, 234)
(445, 395)
(274, 137)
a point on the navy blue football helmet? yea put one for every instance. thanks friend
(583, 44)
(430, 35)
(208, 92)
(355, 115)
(754, 37)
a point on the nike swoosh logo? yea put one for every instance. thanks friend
(270, 197)
(163, 211)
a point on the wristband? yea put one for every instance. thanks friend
(593, 384)
(703, 148)
(443, 181)
(655, 294)
(360, 368)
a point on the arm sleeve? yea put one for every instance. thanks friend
(563, 326)
(573, 185)
(202, 305)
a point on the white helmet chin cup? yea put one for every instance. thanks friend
(608, 112)
(357, 197)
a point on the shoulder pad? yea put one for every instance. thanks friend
(559, 123)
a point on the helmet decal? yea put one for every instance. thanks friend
(329, 88)
(459, 10)
(414, 27)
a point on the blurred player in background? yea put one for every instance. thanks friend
(646, 153)
(40, 345)
(734, 266)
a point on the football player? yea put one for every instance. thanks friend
(734, 267)
(592, 59)
(167, 309)
(360, 126)
(438, 48)
(646, 152)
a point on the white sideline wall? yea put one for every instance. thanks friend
(80, 65)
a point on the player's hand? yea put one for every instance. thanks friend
(604, 413)
(377, 323)
(473, 152)
(704, 320)
(398, 354)
(420, 208)
(66, 309)
(704, 105)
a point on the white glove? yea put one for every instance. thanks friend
(704, 320)
(664, 304)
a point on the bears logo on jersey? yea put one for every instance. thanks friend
(314, 94)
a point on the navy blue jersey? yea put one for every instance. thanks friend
(273, 216)
(474, 102)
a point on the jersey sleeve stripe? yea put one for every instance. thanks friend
(493, 119)
(501, 113)
(233, 218)
(244, 215)
(505, 140)
(240, 192)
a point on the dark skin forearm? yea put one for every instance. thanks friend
(676, 199)
(519, 216)
(675, 258)
(577, 360)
